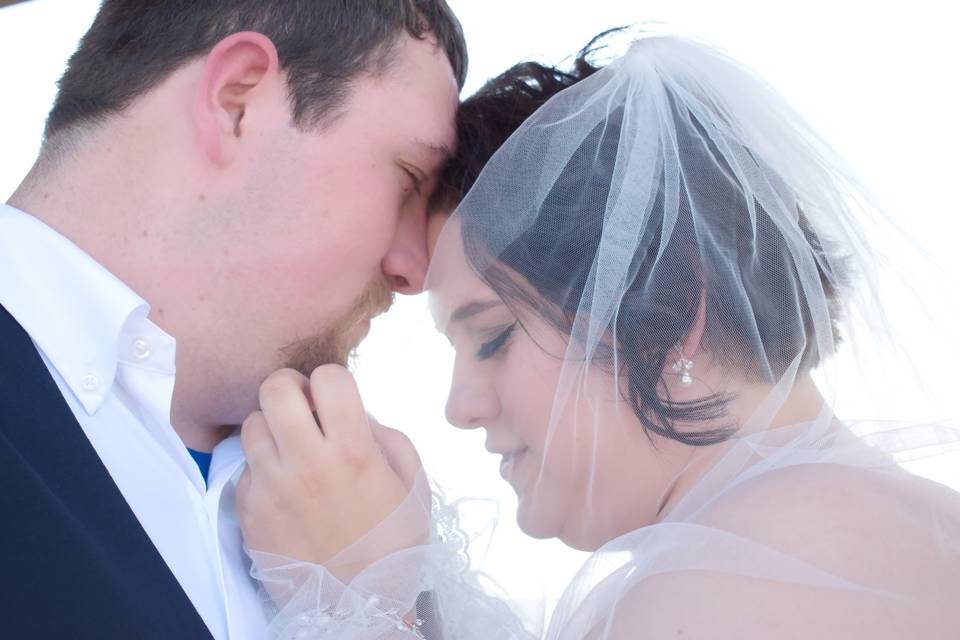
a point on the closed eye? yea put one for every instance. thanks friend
(490, 348)
(414, 179)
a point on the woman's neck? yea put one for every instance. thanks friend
(803, 403)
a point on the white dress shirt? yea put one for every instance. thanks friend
(115, 368)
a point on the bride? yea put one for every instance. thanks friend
(639, 286)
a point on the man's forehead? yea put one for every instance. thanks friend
(435, 126)
(439, 149)
(426, 88)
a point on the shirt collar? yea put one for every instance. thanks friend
(71, 306)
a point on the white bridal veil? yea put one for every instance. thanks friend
(650, 269)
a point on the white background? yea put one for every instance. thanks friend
(877, 79)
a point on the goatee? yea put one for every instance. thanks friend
(338, 343)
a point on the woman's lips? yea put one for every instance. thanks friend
(511, 461)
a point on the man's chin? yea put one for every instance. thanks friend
(339, 345)
(359, 333)
(308, 354)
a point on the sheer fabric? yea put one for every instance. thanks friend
(426, 591)
(686, 251)
(701, 551)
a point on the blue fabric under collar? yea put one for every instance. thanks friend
(203, 461)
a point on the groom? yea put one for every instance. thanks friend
(224, 189)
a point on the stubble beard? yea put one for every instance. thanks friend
(337, 344)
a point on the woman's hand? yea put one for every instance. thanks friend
(315, 484)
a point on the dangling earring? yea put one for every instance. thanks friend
(683, 366)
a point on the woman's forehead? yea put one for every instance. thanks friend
(458, 294)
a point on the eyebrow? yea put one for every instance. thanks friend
(441, 150)
(471, 309)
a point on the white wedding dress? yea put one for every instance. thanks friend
(694, 537)
(675, 167)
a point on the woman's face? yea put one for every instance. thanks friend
(576, 455)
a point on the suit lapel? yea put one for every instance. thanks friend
(78, 551)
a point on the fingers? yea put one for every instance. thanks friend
(285, 400)
(399, 451)
(285, 403)
(257, 441)
(243, 485)
(339, 407)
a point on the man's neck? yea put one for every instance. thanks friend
(203, 438)
(85, 199)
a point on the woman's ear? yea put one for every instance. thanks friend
(238, 71)
(682, 359)
(691, 343)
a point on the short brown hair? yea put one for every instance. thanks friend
(322, 45)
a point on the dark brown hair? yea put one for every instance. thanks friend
(487, 118)
(553, 259)
(133, 45)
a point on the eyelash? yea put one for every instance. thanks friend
(414, 178)
(490, 348)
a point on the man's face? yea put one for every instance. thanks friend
(323, 226)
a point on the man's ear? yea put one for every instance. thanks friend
(239, 69)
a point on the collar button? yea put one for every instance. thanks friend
(90, 382)
(141, 349)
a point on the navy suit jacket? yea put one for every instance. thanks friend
(76, 563)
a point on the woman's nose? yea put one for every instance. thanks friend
(471, 403)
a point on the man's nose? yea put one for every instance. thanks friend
(405, 264)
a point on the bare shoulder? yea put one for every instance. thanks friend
(893, 533)
(853, 520)
(694, 604)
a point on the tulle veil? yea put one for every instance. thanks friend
(675, 193)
